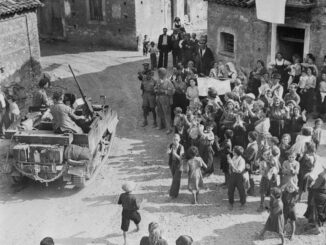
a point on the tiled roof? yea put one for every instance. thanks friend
(235, 3)
(8, 7)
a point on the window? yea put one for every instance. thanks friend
(227, 42)
(95, 10)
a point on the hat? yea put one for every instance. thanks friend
(250, 95)
(146, 64)
(184, 240)
(128, 186)
(212, 92)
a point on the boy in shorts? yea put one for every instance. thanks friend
(130, 208)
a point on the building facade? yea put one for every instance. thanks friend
(19, 41)
(235, 33)
(114, 23)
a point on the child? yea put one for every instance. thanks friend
(284, 147)
(237, 87)
(225, 150)
(195, 178)
(206, 151)
(14, 111)
(145, 45)
(175, 152)
(290, 169)
(238, 176)
(184, 240)
(316, 134)
(178, 117)
(130, 208)
(268, 170)
(289, 199)
(192, 93)
(264, 85)
(153, 55)
(275, 221)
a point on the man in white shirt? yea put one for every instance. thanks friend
(2, 112)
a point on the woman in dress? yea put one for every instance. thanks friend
(255, 77)
(309, 92)
(192, 93)
(275, 221)
(195, 177)
(296, 122)
(307, 164)
(280, 66)
(175, 152)
(277, 115)
(316, 211)
(179, 96)
(206, 151)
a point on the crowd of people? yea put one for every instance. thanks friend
(259, 127)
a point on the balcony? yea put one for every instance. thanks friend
(301, 4)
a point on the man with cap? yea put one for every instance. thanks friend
(204, 58)
(164, 90)
(277, 88)
(147, 84)
(164, 46)
(144, 73)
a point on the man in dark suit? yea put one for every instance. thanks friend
(176, 50)
(205, 59)
(250, 155)
(164, 46)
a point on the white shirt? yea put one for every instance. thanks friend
(165, 40)
(238, 164)
(202, 51)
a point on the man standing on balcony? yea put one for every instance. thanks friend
(164, 46)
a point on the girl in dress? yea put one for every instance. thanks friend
(290, 169)
(275, 221)
(296, 122)
(316, 133)
(307, 99)
(192, 93)
(206, 151)
(195, 178)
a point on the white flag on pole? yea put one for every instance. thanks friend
(271, 10)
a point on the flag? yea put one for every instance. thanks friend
(271, 10)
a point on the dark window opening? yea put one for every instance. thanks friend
(95, 10)
(227, 41)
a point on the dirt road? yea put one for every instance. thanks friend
(91, 216)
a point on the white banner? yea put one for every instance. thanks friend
(206, 82)
(271, 10)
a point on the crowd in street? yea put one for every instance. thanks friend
(259, 128)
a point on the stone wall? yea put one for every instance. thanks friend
(151, 17)
(251, 36)
(19, 49)
(118, 29)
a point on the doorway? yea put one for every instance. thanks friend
(290, 41)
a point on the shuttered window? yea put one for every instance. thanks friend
(95, 10)
(227, 41)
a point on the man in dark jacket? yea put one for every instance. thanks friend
(164, 46)
(205, 59)
(176, 50)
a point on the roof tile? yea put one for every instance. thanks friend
(8, 7)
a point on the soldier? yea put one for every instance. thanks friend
(147, 85)
(164, 90)
(143, 74)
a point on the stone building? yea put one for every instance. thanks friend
(19, 42)
(120, 23)
(235, 33)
